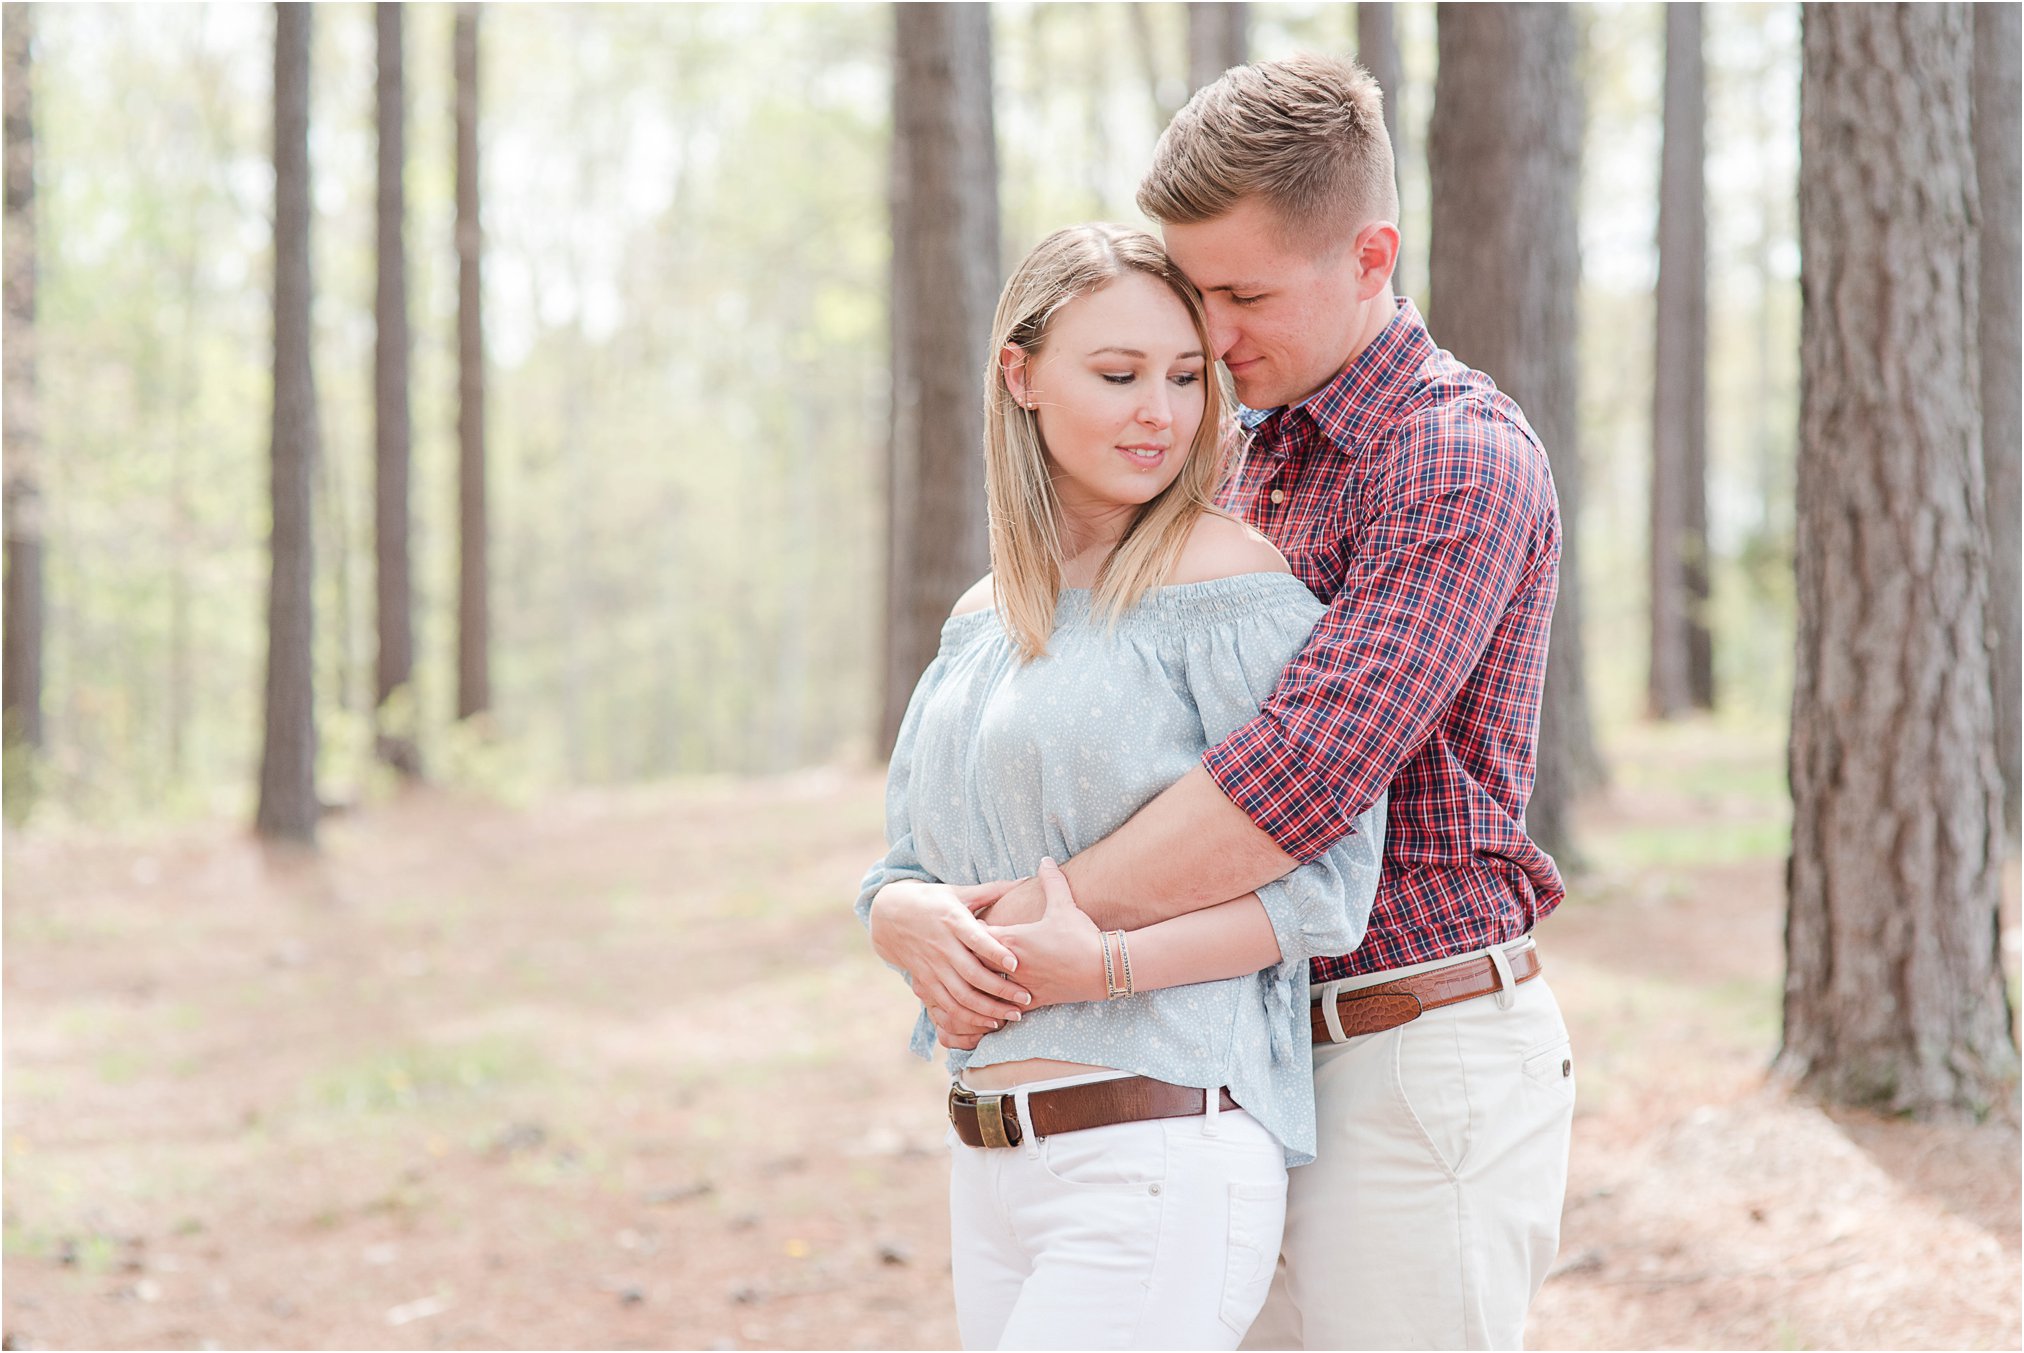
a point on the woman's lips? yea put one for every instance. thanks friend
(1143, 455)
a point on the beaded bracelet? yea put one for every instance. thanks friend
(1112, 991)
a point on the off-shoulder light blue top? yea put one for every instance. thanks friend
(1000, 762)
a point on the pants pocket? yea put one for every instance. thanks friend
(1552, 1067)
(1257, 1223)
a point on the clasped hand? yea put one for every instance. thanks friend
(963, 969)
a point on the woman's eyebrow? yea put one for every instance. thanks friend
(1134, 352)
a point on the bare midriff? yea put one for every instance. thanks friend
(1007, 1075)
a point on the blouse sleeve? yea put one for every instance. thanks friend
(1321, 908)
(901, 861)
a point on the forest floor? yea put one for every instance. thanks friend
(618, 1071)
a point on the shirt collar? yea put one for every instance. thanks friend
(1359, 401)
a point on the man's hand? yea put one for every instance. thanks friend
(956, 966)
(1061, 954)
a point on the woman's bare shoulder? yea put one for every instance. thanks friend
(978, 598)
(1220, 546)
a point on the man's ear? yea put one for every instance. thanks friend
(1376, 253)
(1012, 362)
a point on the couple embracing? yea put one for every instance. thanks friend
(1208, 857)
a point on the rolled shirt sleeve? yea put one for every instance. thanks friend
(1446, 545)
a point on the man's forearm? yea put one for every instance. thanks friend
(1189, 848)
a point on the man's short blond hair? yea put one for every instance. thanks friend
(1305, 135)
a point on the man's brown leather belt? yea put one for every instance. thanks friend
(1373, 1009)
(993, 1119)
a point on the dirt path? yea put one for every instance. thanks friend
(619, 1072)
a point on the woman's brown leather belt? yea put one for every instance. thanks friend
(1373, 1009)
(993, 1119)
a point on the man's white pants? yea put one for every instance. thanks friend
(1157, 1234)
(1432, 1212)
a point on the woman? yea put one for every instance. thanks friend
(1119, 1172)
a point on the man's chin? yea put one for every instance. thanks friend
(1257, 394)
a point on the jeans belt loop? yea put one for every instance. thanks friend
(1030, 1139)
(1212, 1106)
(1507, 985)
(1333, 1013)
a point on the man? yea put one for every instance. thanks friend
(1413, 498)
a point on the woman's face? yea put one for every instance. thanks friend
(1118, 389)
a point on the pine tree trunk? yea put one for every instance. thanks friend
(394, 590)
(1377, 48)
(474, 619)
(945, 283)
(1997, 135)
(1216, 40)
(22, 678)
(1504, 150)
(1894, 991)
(287, 810)
(1681, 672)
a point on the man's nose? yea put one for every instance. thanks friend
(1222, 326)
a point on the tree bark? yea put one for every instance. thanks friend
(474, 620)
(1377, 48)
(1681, 672)
(1217, 40)
(944, 287)
(1894, 990)
(1997, 134)
(21, 669)
(287, 810)
(1504, 150)
(394, 668)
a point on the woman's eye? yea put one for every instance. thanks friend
(1187, 377)
(1118, 378)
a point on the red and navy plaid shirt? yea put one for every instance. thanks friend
(1414, 499)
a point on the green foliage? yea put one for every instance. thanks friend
(686, 318)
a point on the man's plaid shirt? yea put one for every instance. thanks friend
(1415, 500)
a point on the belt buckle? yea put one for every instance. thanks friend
(990, 1114)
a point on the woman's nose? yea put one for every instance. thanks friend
(1157, 410)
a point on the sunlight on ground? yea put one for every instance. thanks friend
(617, 1070)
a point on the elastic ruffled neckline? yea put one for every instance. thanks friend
(1165, 611)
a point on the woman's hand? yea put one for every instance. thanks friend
(1060, 956)
(955, 964)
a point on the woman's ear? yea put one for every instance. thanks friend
(1012, 362)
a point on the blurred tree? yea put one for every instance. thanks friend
(474, 619)
(23, 639)
(944, 287)
(1216, 40)
(1894, 990)
(1377, 47)
(1681, 672)
(288, 807)
(1997, 136)
(1504, 154)
(393, 701)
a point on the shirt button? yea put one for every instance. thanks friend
(1278, 495)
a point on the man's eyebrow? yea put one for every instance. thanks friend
(1134, 352)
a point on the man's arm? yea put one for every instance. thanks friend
(1467, 507)
(1189, 848)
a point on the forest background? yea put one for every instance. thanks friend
(687, 254)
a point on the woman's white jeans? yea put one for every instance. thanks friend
(1160, 1234)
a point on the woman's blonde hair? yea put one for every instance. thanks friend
(1026, 553)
